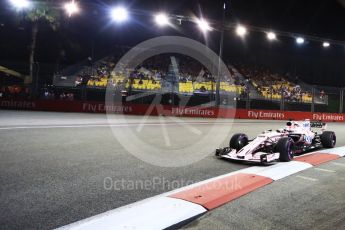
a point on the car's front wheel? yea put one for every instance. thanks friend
(238, 141)
(285, 149)
(328, 139)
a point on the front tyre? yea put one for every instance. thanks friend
(238, 141)
(328, 139)
(285, 149)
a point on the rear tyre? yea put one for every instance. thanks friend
(328, 139)
(238, 141)
(285, 149)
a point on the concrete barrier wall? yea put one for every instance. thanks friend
(154, 110)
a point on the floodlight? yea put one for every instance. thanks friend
(271, 36)
(203, 25)
(162, 19)
(241, 30)
(326, 44)
(71, 8)
(119, 14)
(21, 4)
(300, 40)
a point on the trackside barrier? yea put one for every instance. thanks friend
(166, 110)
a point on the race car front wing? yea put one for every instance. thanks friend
(260, 157)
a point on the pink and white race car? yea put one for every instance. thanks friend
(297, 137)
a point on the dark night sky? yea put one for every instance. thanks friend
(91, 30)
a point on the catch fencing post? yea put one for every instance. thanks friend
(341, 104)
(313, 99)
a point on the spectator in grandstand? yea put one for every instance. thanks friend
(322, 94)
(62, 96)
(46, 94)
(287, 95)
(245, 92)
(2, 92)
(78, 81)
(203, 89)
(70, 96)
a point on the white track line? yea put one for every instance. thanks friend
(112, 125)
(325, 170)
(279, 170)
(307, 178)
(187, 125)
(165, 132)
(154, 214)
(338, 164)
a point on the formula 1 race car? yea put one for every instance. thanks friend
(297, 137)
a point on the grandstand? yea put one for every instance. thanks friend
(151, 75)
(192, 79)
(276, 87)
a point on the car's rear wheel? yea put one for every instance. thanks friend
(285, 149)
(238, 141)
(328, 139)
